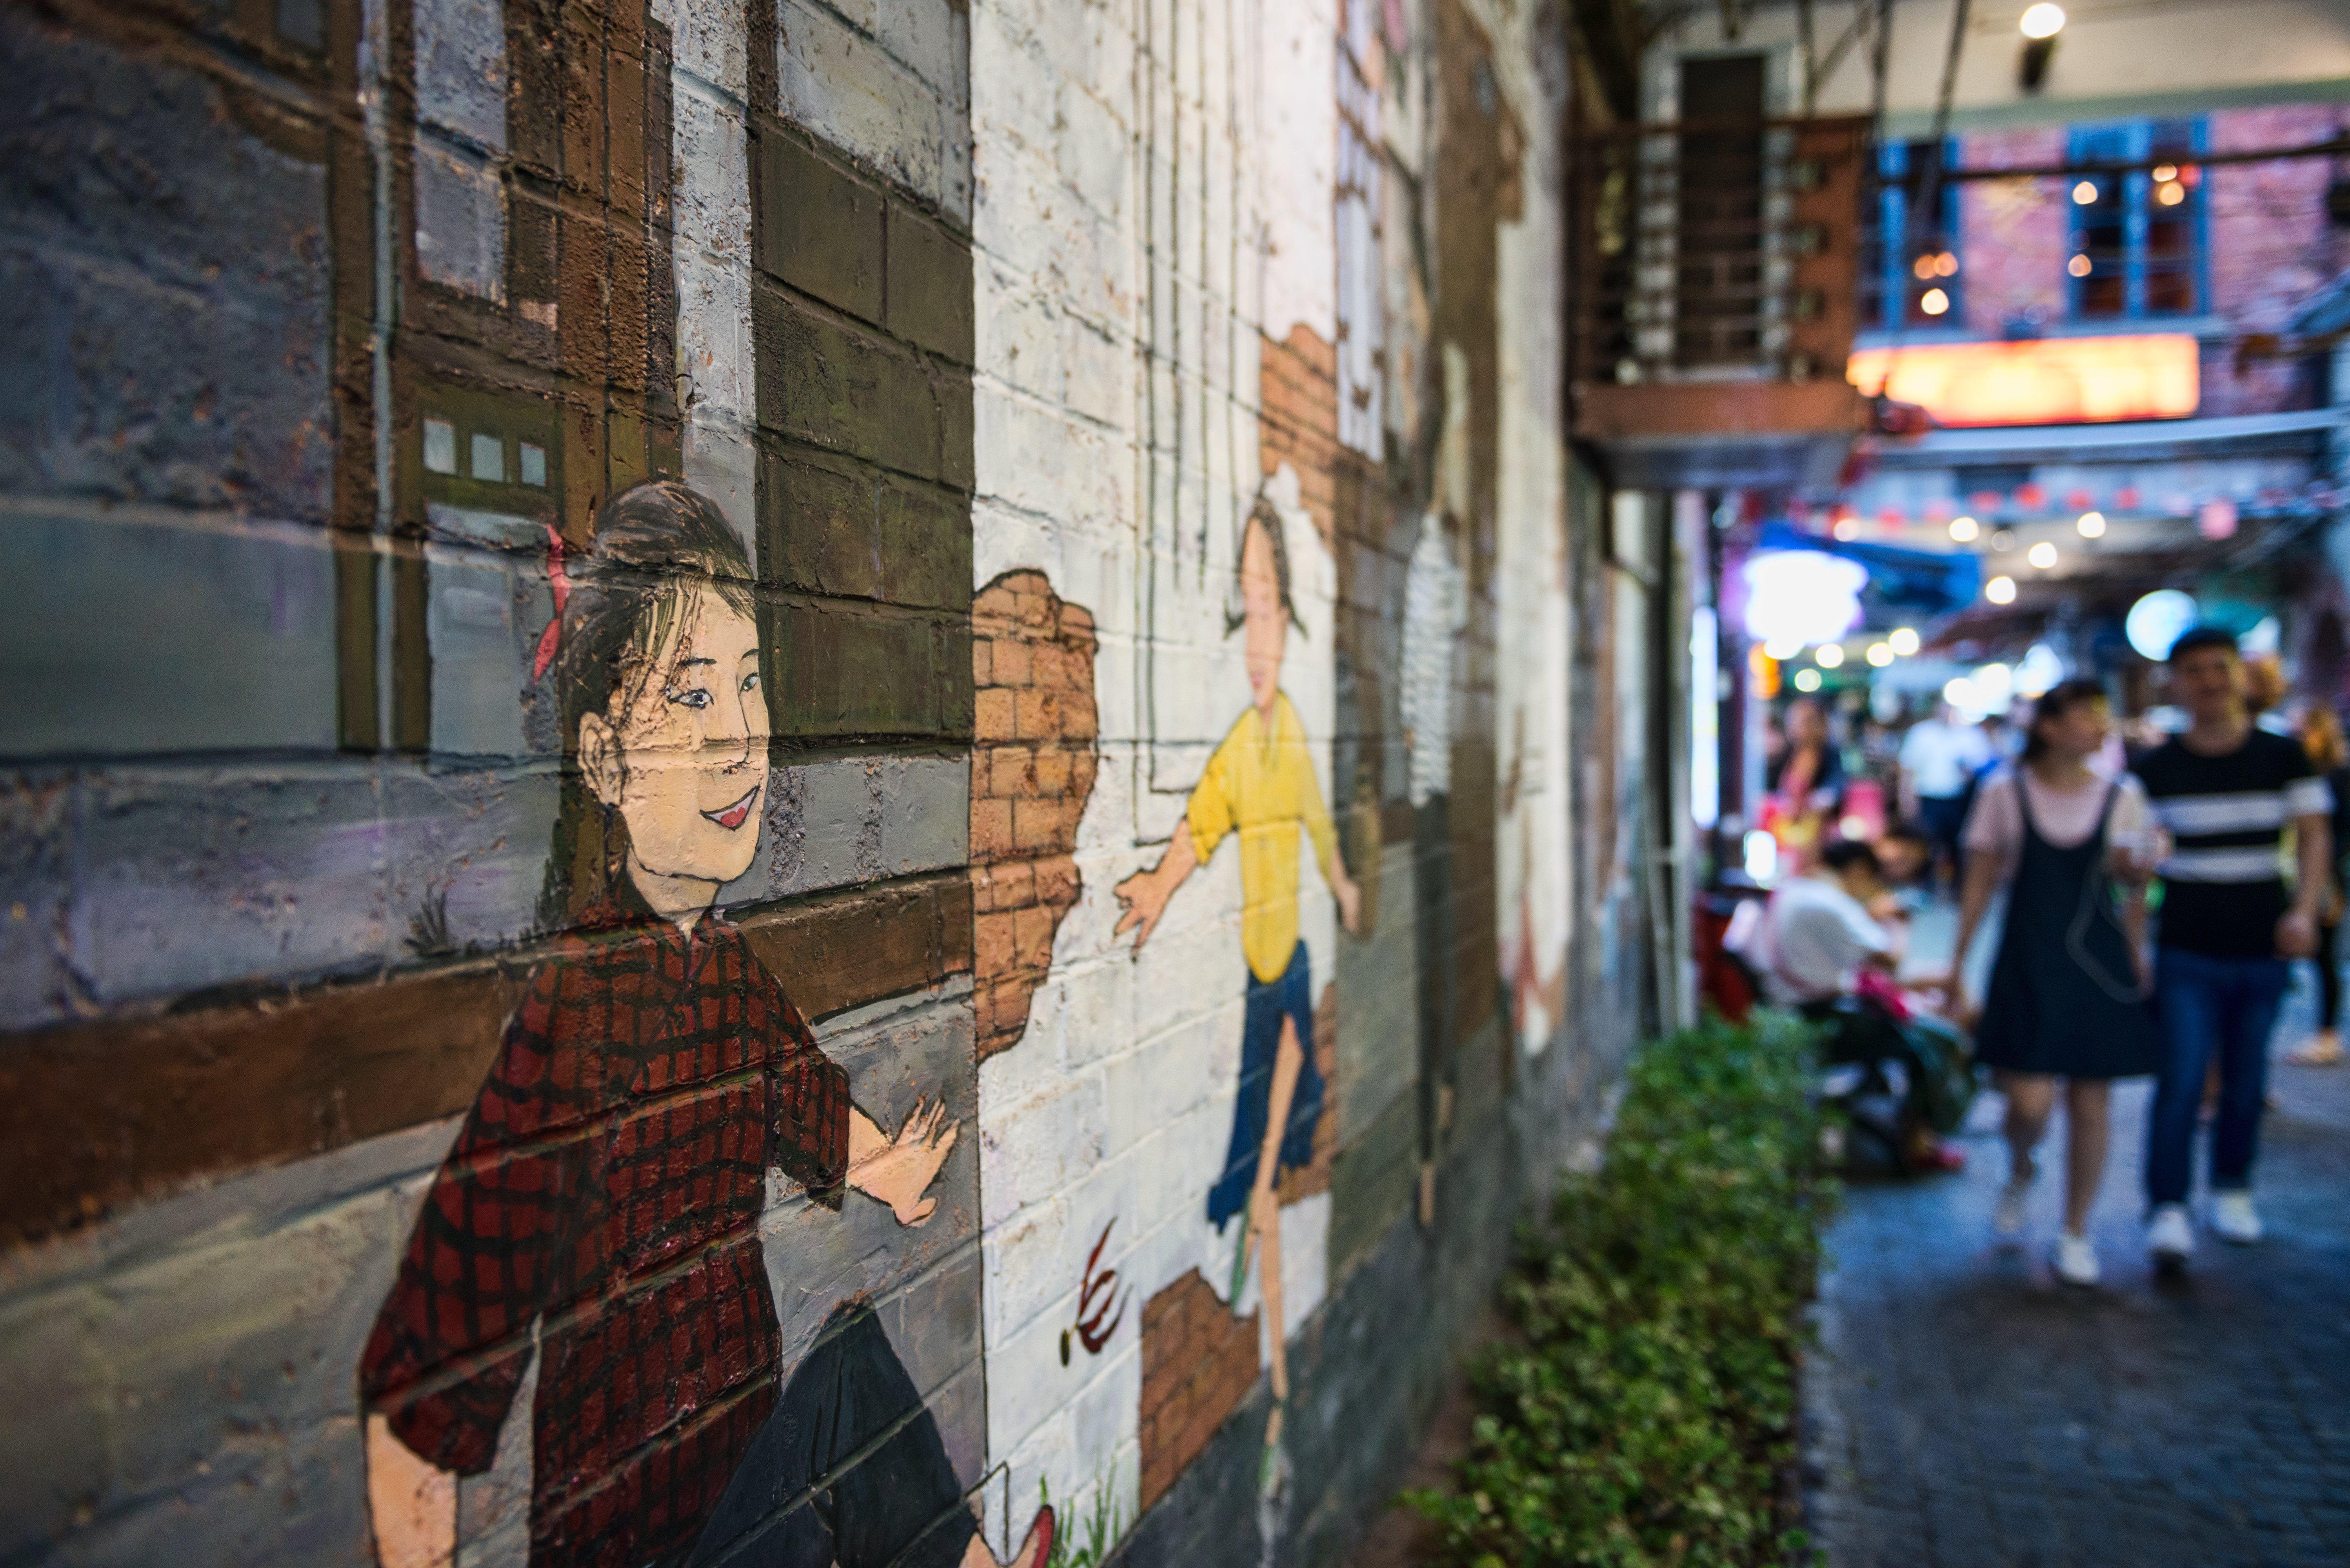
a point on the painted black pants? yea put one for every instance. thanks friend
(849, 1469)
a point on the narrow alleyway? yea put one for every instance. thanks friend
(1965, 1410)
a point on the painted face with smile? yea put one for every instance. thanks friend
(681, 754)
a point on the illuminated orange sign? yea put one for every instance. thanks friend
(2048, 382)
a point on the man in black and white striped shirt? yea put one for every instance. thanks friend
(2225, 791)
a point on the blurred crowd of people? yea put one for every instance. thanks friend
(2150, 879)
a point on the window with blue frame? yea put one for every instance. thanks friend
(1909, 274)
(2137, 236)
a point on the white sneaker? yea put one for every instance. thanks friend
(2234, 1217)
(2007, 1220)
(2169, 1237)
(2076, 1260)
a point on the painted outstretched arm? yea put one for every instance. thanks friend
(899, 1168)
(412, 1504)
(1143, 896)
(1343, 888)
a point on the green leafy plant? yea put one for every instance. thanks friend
(1643, 1414)
(1105, 1522)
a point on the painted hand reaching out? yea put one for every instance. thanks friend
(1142, 898)
(898, 1170)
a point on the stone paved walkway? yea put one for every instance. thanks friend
(1966, 1411)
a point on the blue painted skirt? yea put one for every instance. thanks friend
(1270, 1002)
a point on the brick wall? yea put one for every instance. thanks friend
(2014, 233)
(2271, 249)
(1033, 766)
(1199, 1362)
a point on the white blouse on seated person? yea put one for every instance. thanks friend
(2065, 817)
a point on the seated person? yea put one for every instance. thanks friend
(1905, 854)
(1822, 954)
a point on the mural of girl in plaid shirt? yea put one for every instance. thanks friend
(1260, 785)
(602, 1202)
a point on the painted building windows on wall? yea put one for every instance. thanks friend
(2138, 235)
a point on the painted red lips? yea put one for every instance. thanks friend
(734, 815)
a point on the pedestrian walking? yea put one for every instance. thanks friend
(2068, 992)
(2321, 737)
(1940, 758)
(2226, 791)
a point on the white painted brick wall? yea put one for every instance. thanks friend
(1143, 211)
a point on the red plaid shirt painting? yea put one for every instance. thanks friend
(607, 1188)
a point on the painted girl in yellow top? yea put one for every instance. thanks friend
(1260, 784)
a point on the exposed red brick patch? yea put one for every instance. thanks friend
(1198, 1363)
(1298, 419)
(1032, 768)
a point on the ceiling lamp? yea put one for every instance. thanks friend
(2041, 23)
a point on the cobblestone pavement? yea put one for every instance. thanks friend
(1965, 1410)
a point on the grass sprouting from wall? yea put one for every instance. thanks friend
(1644, 1413)
(1103, 1524)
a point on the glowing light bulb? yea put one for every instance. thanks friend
(1845, 528)
(1999, 590)
(2042, 20)
(2084, 193)
(1829, 657)
(2042, 555)
(2163, 171)
(2079, 266)
(1946, 264)
(1880, 654)
(1807, 679)
(2092, 524)
(1934, 302)
(1904, 640)
(1965, 529)
(1783, 649)
(1923, 266)
(2170, 193)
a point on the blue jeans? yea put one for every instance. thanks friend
(2202, 1004)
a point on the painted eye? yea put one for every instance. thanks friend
(695, 697)
(751, 681)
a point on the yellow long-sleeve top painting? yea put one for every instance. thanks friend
(1262, 786)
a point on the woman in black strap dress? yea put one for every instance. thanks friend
(2068, 989)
